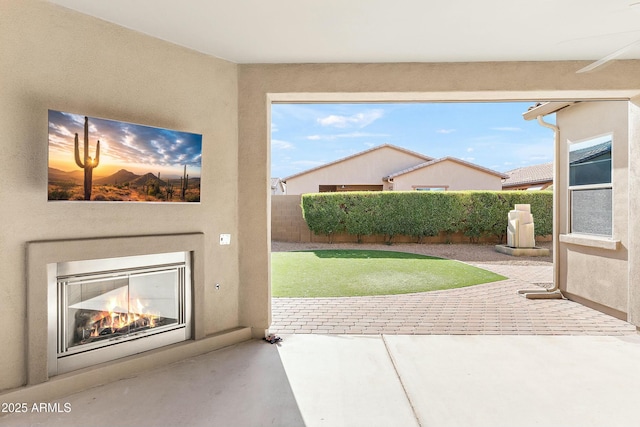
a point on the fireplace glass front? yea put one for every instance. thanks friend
(143, 304)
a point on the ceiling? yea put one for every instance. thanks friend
(335, 31)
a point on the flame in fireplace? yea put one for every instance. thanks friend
(122, 315)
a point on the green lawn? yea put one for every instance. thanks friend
(342, 273)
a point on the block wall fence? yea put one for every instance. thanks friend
(288, 225)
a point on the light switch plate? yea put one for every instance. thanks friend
(225, 239)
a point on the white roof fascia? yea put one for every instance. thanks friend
(546, 108)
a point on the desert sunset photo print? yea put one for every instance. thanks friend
(106, 160)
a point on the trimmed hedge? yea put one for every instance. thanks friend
(415, 213)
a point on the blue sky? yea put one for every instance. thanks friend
(493, 135)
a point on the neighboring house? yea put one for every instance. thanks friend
(594, 233)
(447, 173)
(277, 187)
(388, 167)
(535, 177)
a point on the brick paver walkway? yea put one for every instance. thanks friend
(492, 308)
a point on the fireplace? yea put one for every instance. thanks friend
(104, 309)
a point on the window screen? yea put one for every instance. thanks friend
(590, 187)
(591, 211)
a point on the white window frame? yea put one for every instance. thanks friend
(572, 188)
(430, 187)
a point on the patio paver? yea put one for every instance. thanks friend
(487, 309)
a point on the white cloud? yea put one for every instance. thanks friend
(331, 137)
(363, 135)
(358, 120)
(281, 145)
(307, 163)
(540, 150)
(469, 159)
(507, 129)
(469, 150)
(445, 131)
(274, 127)
(298, 112)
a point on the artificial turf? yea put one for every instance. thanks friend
(344, 273)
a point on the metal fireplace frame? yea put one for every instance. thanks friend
(60, 275)
(42, 256)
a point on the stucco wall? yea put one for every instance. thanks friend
(368, 168)
(261, 84)
(633, 313)
(53, 58)
(598, 275)
(449, 174)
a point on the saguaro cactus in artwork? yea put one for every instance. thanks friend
(184, 183)
(89, 163)
(169, 190)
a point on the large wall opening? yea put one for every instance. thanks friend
(282, 143)
(262, 85)
(308, 136)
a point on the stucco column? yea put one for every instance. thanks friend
(633, 315)
(254, 207)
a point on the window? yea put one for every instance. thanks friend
(590, 187)
(428, 188)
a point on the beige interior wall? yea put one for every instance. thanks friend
(261, 84)
(598, 275)
(53, 58)
(449, 174)
(368, 168)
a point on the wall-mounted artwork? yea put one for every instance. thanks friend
(95, 159)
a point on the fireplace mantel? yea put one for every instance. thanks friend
(44, 255)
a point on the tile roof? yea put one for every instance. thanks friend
(586, 154)
(535, 174)
(544, 108)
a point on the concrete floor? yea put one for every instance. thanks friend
(376, 380)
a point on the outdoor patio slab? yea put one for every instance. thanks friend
(345, 380)
(241, 385)
(375, 380)
(495, 381)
